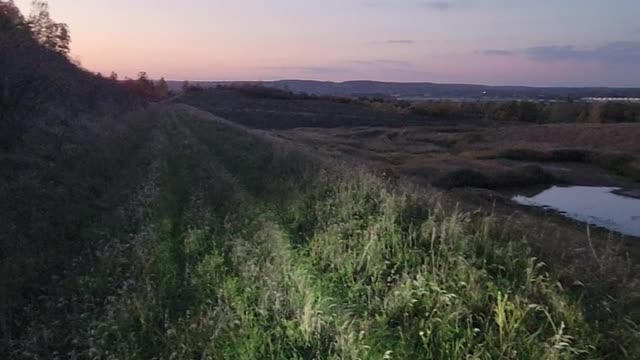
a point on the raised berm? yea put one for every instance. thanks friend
(233, 242)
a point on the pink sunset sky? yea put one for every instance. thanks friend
(495, 42)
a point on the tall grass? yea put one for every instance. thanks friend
(256, 250)
(366, 281)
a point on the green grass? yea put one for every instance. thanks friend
(255, 249)
(360, 286)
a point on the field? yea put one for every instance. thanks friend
(253, 223)
(215, 240)
(481, 166)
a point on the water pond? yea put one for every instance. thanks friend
(605, 207)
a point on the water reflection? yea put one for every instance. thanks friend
(598, 206)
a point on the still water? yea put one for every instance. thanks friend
(598, 206)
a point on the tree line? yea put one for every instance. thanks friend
(30, 48)
(53, 35)
(143, 86)
(531, 112)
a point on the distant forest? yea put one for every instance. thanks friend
(431, 90)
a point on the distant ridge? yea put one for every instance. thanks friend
(429, 90)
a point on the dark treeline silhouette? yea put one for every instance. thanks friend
(47, 32)
(40, 89)
(532, 112)
(146, 88)
(64, 146)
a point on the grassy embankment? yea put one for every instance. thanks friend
(252, 248)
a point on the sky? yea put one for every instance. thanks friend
(494, 42)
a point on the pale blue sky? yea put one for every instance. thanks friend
(530, 42)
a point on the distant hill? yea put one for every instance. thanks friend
(431, 90)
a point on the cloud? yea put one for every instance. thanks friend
(612, 52)
(341, 68)
(311, 70)
(393, 42)
(621, 51)
(382, 62)
(348, 69)
(496, 52)
(400, 42)
(555, 53)
(435, 5)
(439, 5)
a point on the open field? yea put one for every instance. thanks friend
(482, 162)
(576, 152)
(244, 245)
(219, 241)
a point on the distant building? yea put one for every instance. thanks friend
(611, 99)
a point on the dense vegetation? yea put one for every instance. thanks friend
(61, 152)
(532, 112)
(41, 92)
(250, 247)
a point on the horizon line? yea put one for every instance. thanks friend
(410, 82)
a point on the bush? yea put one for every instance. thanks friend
(524, 176)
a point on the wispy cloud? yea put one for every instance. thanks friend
(439, 5)
(557, 52)
(621, 51)
(393, 42)
(400, 42)
(381, 63)
(310, 70)
(613, 52)
(341, 68)
(435, 5)
(497, 52)
(376, 69)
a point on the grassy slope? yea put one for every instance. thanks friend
(276, 110)
(247, 247)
